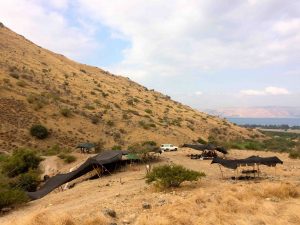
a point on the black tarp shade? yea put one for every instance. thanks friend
(201, 147)
(250, 161)
(102, 159)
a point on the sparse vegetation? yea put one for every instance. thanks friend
(67, 157)
(18, 173)
(167, 176)
(294, 154)
(66, 112)
(39, 131)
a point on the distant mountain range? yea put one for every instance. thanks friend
(257, 112)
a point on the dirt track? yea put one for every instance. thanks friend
(212, 200)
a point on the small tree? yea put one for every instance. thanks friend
(167, 176)
(20, 162)
(39, 131)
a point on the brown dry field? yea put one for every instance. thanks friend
(275, 199)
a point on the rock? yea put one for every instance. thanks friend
(146, 205)
(125, 221)
(110, 212)
(161, 202)
(6, 209)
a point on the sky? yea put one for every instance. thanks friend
(208, 54)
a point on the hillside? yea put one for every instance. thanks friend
(81, 103)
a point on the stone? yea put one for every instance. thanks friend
(146, 205)
(125, 221)
(6, 209)
(110, 212)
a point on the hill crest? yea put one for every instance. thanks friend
(80, 103)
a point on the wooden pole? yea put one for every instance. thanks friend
(221, 171)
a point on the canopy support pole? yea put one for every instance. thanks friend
(221, 171)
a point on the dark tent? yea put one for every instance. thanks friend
(250, 161)
(201, 147)
(103, 159)
(86, 145)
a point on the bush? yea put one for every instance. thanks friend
(54, 150)
(67, 158)
(66, 112)
(27, 181)
(149, 111)
(21, 161)
(39, 131)
(201, 141)
(110, 123)
(167, 176)
(294, 155)
(11, 197)
(95, 119)
(117, 147)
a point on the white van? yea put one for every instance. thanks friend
(168, 147)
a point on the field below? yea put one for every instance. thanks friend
(273, 199)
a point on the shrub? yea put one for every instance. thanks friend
(117, 147)
(21, 161)
(110, 123)
(21, 83)
(130, 102)
(294, 155)
(11, 197)
(54, 150)
(99, 146)
(201, 141)
(39, 131)
(14, 74)
(150, 143)
(27, 181)
(66, 112)
(167, 176)
(149, 111)
(67, 158)
(95, 119)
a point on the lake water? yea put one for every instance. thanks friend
(266, 121)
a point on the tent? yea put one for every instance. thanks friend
(250, 161)
(101, 160)
(210, 147)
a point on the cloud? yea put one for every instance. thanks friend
(47, 25)
(173, 37)
(198, 93)
(266, 91)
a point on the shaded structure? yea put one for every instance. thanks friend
(252, 161)
(85, 147)
(209, 151)
(103, 161)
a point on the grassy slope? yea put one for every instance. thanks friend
(52, 83)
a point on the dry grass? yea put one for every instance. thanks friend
(47, 218)
(212, 201)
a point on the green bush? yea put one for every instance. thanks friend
(11, 197)
(110, 123)
(20, 162)
(201, 141)
(117, 147)
(67, 158)
(66, 112)
(149, 111)
(294, 155)
(39, 131)
(27, 181)
(167, 176)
